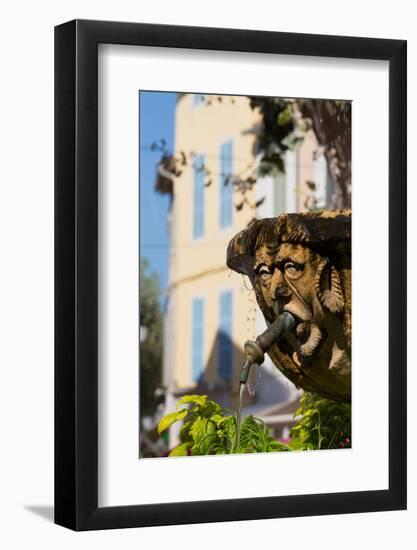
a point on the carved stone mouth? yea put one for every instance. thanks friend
(304, 341)
(298, 310)
(279, 305)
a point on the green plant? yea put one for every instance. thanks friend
(209, 430)
(323, 424)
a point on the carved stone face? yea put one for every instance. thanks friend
(286, 278)
(301, 263)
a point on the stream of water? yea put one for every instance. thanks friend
(239, 414)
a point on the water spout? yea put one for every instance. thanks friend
(255, 349)
(255, 355)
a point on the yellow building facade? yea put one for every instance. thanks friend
(197, 261)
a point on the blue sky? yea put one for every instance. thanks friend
(156, 122)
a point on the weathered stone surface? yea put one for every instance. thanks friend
(301, 263)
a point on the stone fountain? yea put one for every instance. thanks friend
(301, 264)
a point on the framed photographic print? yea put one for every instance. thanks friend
(230, 248)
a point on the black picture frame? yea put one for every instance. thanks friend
(76, 272)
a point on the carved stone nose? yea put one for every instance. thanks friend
(282, 292)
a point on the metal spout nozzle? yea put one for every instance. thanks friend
(255, 349)
(244, 373)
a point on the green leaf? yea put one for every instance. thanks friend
(217, 419)
(181, 450)
(198, 429)
(278, 446)
(185, 431)
(197, 399)
(209, 409)
(285, 116)
(170, 418)
(207, 444)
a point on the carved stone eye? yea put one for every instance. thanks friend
(264, 272)
(293, 270)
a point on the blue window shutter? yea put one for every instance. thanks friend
(198, 197)
(225, 343)
(197, 339)
(226, 184)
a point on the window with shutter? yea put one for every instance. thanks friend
(226, 184)
(197, 339)
(225, 344)
(198, 197)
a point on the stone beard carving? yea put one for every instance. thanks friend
(301, 263)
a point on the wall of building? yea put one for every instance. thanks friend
(197, 265)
